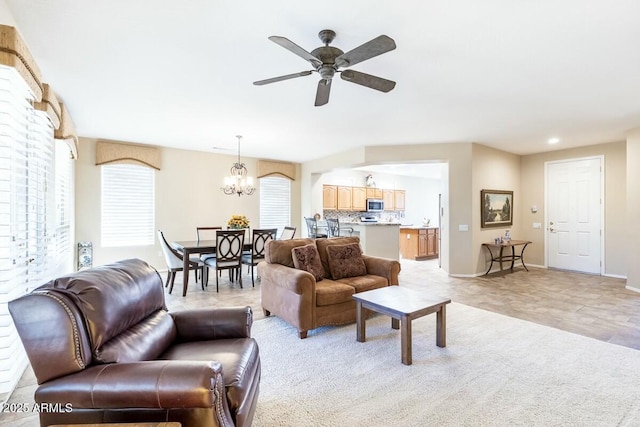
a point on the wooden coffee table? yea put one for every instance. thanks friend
(402, 305)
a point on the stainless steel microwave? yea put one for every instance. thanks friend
(375, 205)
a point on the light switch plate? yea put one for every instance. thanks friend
(537, 225)
(463, 227)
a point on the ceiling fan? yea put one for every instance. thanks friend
(328, 60)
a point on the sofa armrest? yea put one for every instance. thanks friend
(387, 268)
(157, 384)
(213, 323)
(292, 279)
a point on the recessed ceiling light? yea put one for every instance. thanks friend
(553, 140)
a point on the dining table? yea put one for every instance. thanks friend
(189, 247)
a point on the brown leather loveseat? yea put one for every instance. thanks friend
(104, 349)
(310, 297)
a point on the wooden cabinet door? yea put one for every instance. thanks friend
(344, 198)
(408, 243)
(329, 197)
(432, 242)
(423, 245)
(387, 197)
(398, 200)
(359, 199)
(374, 193)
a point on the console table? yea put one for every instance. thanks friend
(499, 255)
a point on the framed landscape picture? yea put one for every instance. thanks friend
(497, 208)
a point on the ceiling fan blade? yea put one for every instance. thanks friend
(375, 47)
(373, 82)
(281, 78)
(291, 46)
(322, 94)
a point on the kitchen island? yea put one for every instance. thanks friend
(379, 239)
(418, 243)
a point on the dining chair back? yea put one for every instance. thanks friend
(259, 239)
(229, 244)
(333, 228)
(174, 261)
(312, 228)
(206, 233)
(287, 233)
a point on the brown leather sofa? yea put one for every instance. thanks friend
(105, 349)
(297, 297)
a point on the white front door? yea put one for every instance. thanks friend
(574, 214)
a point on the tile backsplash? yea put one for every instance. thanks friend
(354, 216)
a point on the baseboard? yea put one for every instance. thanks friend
(496, 270)
(631, 288)
(466, 275)
(615, 276)
(536, 266)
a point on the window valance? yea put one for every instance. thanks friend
(113, 152)
(14, 53)
(50, 105)
(268, 168)
(67, 131)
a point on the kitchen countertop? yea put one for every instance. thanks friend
(418, 227)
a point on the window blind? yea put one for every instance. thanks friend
(16, 125)
(30, 251)
(275, 202)
(63, 209)
(128, 206)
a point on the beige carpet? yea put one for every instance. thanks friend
(495, 371)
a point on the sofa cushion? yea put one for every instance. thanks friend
(307, 258)
(346, 261)
(322, 245)
(279, 251)
(330, 292)
(364, 283)
(144, 341)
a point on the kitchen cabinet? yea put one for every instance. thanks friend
(374, 193)
(344, 198)
(418, 242)
(398, 200)
(388, 198)
(359, 199)
(432, 242)
(329, 197)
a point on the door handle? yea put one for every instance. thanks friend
(552, 230)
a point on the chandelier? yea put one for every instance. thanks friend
(238, 182)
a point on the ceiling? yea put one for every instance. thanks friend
(506, 74)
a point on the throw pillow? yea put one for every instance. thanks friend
(307, 258)
(346, 261)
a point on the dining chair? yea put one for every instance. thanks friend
(259, 238)
(333, 228)
(206, 233)
(287, 233)
(229, 244)
(174, 261)
(312, 228)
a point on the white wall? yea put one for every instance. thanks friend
(187, 195)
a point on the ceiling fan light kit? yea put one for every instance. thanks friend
(328, 60)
